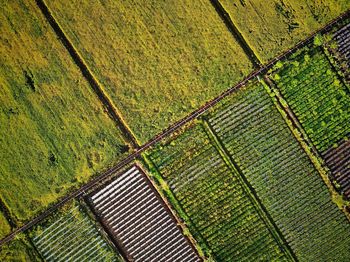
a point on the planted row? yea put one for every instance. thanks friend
(222, 214)
(260, 142)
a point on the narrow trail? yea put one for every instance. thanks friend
(172, 128)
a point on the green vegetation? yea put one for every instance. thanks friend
(219, 210)
(260, 142)
(71, 235)
(4, 226)
(316, 94)
(54, 132)
(157, 60)
(271, 27)
(19, 250)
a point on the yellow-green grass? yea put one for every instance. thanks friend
(54, 132)
(157, 60)
(19, 250)
(4, 226)
(271, 27)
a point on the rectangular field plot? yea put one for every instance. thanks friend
(154, 58)
(139, 221)
(220, 210)
(317, 96)
(338, 161)
(260, 142)
(73, 237)
(342, 39)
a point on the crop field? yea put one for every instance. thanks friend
(221, 213)
(317, 95)
(257, 138)
(342, 49)
(137, 218)
(154, 58)
(338, 161)
(18, 250)
(4, 226)
(271, 27)
(54, 132)
(72, 237)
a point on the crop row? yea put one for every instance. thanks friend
(317, 96)
(138, 220)
(338, 161)
(221, 211)
(286, 182)
(72, 237)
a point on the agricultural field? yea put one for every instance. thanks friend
(317, 95)
(259, 141)
(220, 211)
(338, 161)
(19, 250)
(271, 27)
(341, 49)
(72, 236)
(54, 132)
(154, 58)
(138, 220)
(4, 226)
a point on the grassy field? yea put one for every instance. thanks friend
(271, 27)
(221, 213)
(260, 142)
(54, 132)
(19, 250)
(157, 60)
(317, 95)
(4, 226)
(71, 235)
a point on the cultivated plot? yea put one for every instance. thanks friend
(154, 58)
(338, 161)
(221, 212)
(140, 223)
(54, 132)
(256, 136)
(317, 95)
(271, 27)
(72, 237)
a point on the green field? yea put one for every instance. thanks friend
(221, 212)
(4, 226)
(317, 95)
(256, 136)
(54, 132)
(154, 58)
(70, 234)
(271, 27)
(19, 250)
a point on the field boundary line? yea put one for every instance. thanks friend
(175, 126)
(302, 138)
(112, 110)
(247, 187)
(177, 209)
(230, 25)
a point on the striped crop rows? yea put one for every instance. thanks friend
(73, 237)
(342, 38)
(256, 136)
(221, 211)
(338, 161)
(139, 221)
(317, 96)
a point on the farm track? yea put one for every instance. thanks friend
(96, 86)
(81, 191)
(251, 193)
